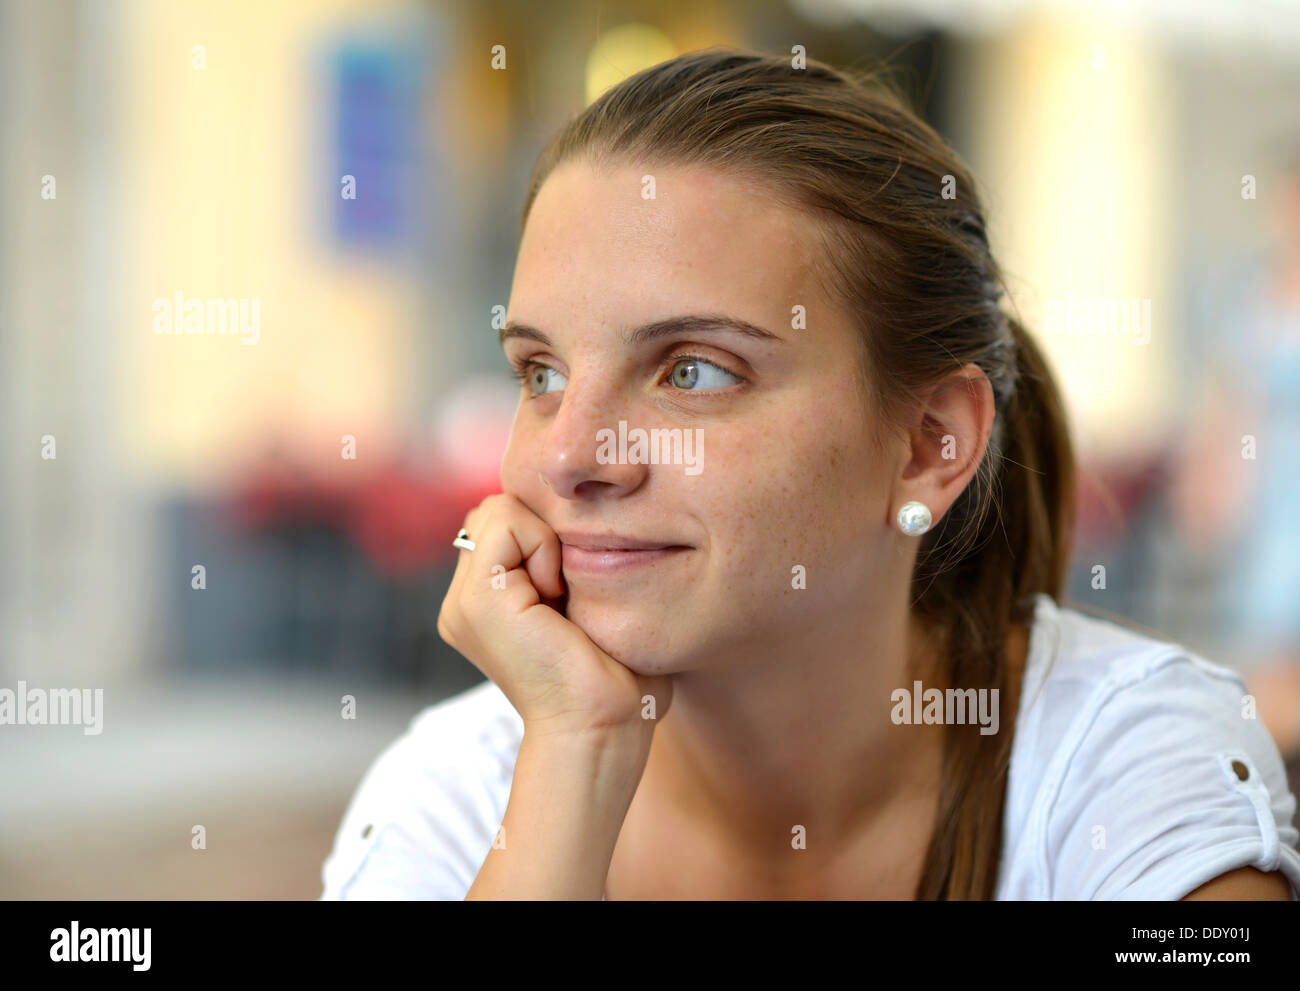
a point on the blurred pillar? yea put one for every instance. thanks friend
(70, 527)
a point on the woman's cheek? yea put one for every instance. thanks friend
(515, 467)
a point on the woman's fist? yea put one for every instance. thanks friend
(504, 613)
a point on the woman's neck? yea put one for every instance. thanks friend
(799, 735)
(806, 739)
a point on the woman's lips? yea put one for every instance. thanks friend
(607, 561)
(610, 554)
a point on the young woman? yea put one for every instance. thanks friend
(806, 641)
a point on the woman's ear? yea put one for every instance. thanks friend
(947, 440)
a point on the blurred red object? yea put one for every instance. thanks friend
(1111, 492)
(406, 524)
(279, 491)
(402, 521)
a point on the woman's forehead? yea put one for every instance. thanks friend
(704, 242)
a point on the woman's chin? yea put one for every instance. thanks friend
(629, 636)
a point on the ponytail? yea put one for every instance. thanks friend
(1022, 514)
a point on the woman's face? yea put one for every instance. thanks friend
(775, 472)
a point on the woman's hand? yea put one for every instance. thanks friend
(502, 612)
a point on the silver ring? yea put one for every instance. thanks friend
(462, 540)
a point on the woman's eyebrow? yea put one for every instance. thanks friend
(696, 324)
(513, 329)
(667, 327)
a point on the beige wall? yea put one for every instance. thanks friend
(218, 182)
(1071, 133)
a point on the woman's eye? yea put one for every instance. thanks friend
(540, 376)
(691, 372)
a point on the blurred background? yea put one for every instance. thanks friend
(228, 533)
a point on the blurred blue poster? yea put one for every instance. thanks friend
(380, 98)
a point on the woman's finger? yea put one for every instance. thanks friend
(512, 535)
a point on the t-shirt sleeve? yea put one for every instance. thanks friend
(423, 818)
(1169, 782)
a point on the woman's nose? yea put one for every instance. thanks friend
(576, 459)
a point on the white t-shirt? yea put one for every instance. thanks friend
(1125, 780)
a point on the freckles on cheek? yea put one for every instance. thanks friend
(763, 499)
(807, 484)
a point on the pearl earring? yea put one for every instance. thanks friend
(914, 518)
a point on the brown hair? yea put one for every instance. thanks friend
(903, 230)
